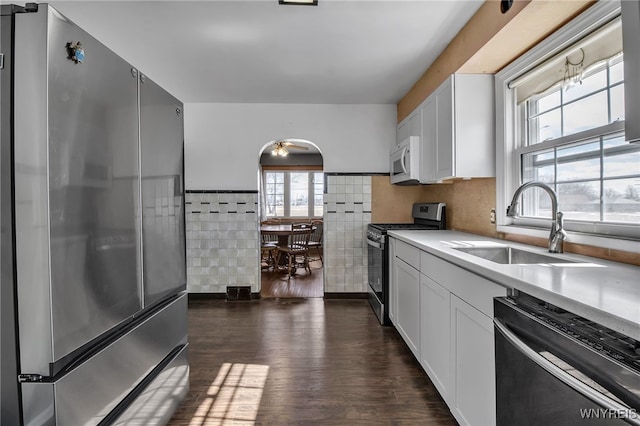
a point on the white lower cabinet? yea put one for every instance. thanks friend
(472, 365)
(407, 281)
(434, 333)
(445, 315)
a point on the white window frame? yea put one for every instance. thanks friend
(507, 162)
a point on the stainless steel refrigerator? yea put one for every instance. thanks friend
(93, 302)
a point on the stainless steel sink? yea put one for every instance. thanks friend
(511, 255)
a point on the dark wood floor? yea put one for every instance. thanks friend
(302, 361)
(302, 284)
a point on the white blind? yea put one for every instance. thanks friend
(600, 45)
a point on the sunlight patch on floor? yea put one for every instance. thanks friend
(234, 396)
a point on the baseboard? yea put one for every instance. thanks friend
(206, 296)
(346, 295)
(194, 297)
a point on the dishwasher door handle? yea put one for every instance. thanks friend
(585, 390)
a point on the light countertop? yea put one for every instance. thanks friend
(602, 291)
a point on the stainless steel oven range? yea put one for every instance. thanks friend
(426, 216)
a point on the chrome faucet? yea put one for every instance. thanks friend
(558, 234)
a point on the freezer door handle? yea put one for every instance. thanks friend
(586, 391)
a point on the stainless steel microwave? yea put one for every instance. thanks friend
(404, 163)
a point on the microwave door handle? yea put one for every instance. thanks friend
(403, 159)
(586, 391)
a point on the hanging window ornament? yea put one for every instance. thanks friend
(573, 71)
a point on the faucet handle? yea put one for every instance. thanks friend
(558, 235)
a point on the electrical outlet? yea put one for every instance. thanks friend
(492, 216)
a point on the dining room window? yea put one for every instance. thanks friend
(293, 194)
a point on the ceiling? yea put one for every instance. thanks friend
(339, 52)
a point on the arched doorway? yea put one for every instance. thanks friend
(291, 191)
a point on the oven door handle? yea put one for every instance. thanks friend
(585, 390)
(374, 243)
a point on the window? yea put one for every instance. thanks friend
(597, 178)
(596, 101)
(563, 110)
(293, 193)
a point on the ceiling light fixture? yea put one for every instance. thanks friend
(279, 150)
(299, 2)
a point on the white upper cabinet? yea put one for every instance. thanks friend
(456, 126)
(410, 126)
(445, 115)
(465, 127)
(429, 140)
(631, 46)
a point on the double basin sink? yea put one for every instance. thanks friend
(513, 256)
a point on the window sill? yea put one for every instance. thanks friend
(620, 244)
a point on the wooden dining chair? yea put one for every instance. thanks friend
(315, 242)
(268, 246)
(297, 245)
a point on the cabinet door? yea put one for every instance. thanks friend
(407, 280)
(415, 123)
(434, 333)
(631, 45)
(393, 288)
(402, 132)
(410, 126)
(429, 141)
(161, 140)
(445, 148)
(472, 365)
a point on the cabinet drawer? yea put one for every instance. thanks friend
(408, 253)
(473, 289)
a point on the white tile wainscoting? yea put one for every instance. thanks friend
(223, 238)
(222, 241)
(347, 211)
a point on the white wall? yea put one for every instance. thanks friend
(223, 141)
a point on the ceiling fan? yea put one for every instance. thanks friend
(281, 148)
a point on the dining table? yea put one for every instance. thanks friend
(282, 231)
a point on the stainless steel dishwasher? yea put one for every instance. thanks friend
(556, 368)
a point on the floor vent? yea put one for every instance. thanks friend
(235, 293)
